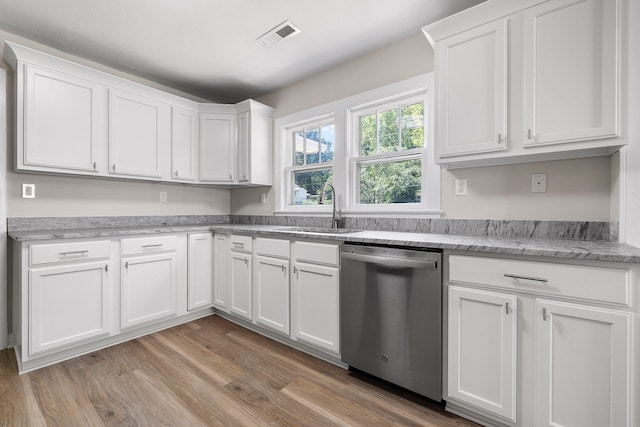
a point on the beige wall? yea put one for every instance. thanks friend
(578, 189)
(69, 196)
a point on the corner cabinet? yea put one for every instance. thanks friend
(539, 342)
(71, 119)
(516, 82)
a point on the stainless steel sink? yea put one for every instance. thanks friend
(317, 230)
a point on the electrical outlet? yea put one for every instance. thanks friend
(163, 196)
(461, 187)
(28, 191)
(539, 183)
(263, 198)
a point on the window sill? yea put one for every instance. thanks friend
(424, 214)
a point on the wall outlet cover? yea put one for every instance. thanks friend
(539, 183)
(28, 191)
(461, 187)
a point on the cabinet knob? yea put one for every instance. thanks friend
(95, 166)
(176, 173)
(113, 167)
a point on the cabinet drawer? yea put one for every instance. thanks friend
(600, 284)
(144, 245)
(240, 243)
(73, 251)
(317, 253)
(273, 247)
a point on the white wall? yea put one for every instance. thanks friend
(67, 196)
(577, 190)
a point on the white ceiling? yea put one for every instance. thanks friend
(209, 48)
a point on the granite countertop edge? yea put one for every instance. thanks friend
(555, 248)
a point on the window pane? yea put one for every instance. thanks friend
(413, 126)
(389, 131)
(328, 141)
(313, 145)
(298, 146)
(368, 130)
(392, 182)
(307, 186)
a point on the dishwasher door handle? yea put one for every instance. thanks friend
(391, 262)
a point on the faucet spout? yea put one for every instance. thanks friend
(334, 223)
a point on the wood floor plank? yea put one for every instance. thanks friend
(208, 372)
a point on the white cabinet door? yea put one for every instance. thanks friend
(244, 145)
(570, 75)
(148, 288)
(138, 128)
(472, 91)
(217, 147)
(200, 275)
(482, 350)
(184, 144)
(64, 123)
(582, 365)
(271, 285)
(315, 305)
(67, 304)
(241, 294)
(220, 270)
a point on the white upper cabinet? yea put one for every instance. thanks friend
(477, 99)
(570, 76)
(138, 129)
(64, 123)
(184, 144)
(71, 119)
(528, 80)
(254, 165)
(217, 147)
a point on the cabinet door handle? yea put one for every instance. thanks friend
(74, 253)
(295, 270)
(506, 308)
(113, 167)
(246, 261)
(529, 134)
(106, 267)
(126, 264)
(544, 314)
(500, 139)
(535, 279)
(176, 173)
(95, 166)
(284, 270)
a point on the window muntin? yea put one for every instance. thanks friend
(312, 162)
(390, 151)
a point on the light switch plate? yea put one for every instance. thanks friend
(28, 191)
(539, 183)
(461, 187)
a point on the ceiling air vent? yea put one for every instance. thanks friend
(278, 33)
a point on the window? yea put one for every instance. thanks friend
(388, 142)
(374, 148)
(311, 167)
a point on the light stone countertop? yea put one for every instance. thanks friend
(567, 249)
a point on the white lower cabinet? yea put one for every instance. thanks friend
(68, 304)
(148, 289)
(200, 271)
(582, 365)
(240, 280)
(315, 296)
(482, 349)
(271, 286)
(538, 343)
(220, 272)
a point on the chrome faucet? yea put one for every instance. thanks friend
(334, 220)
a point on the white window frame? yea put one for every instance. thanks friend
(343, 181)
(356, 160)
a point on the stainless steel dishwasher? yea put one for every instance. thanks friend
(391, 314)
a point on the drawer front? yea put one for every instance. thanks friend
(273, 247)
(600, 284)
(144, 245)
(240, 243)
(317, 253)
(72, 251)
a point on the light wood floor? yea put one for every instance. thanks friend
(204, 373)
